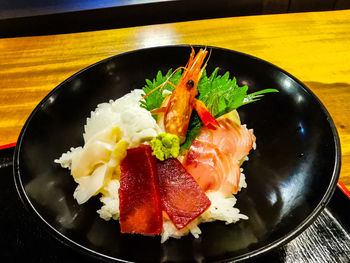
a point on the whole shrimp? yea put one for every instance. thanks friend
(177, 108)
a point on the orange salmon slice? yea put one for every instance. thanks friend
(214, 156)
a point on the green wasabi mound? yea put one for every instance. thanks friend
(165, 146)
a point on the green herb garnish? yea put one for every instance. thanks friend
(165, 146)
(219, 93)
(155, 99)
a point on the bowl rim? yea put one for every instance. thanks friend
(250, 255)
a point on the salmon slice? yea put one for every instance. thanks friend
(214, 156)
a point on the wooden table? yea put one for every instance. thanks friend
(314, 47)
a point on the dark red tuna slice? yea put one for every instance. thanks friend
(182, 198)
(139, 203)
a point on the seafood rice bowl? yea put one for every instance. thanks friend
(165, 158)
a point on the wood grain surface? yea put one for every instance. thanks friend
(314, 47)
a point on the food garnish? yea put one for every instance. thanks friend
(165, 146)
(220, 94)
(179, 105)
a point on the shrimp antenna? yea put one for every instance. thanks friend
(206, 62)
(172, 74)
(208, 57)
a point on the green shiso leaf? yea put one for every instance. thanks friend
(219, 93)
(155, 99)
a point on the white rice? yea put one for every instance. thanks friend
(66, 158)
(135, 122)
(110, 200)
(169, 230)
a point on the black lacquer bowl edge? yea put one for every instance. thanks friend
(291, 235)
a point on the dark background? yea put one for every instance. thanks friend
(42, 17)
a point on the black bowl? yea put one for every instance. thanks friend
(291, 175)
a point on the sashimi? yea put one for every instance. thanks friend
(181, 197)
(214, 156)
(140, 207)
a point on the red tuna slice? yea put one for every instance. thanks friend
(140, 207)
(182, 198)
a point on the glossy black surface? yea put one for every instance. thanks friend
(291, 175)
